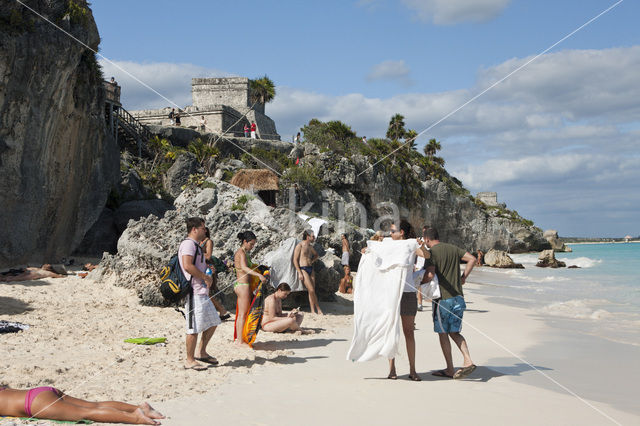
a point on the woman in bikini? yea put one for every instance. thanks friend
(207, 248)
(241, 287)
(50, 403)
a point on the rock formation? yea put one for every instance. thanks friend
(56, 163)
(551, 235)
(547, 259)
(500, 259)
(147, 244)
(357, 185)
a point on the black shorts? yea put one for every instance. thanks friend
(409, 304)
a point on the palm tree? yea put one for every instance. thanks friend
(396, 128)
(262, 90)
(410, 138)
(431, 148)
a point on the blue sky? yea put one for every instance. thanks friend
(557, 140)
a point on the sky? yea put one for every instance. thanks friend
(525, 99)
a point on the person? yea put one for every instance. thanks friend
(254, 127)
(408, 304)
(178, 118)
(448, 310)
(246, 130)
(276, 321)
(419, 266)
(297, 138)
(364, 139)
(346, 283)
(480, 260)
(47, 402)
(172, 116)
(242, 287)
(303, 257)
(378, 236)
(202, 317)
(113, 81)
(207, 246)
(203, 124)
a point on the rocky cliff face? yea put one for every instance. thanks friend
(56, 164)
(357, 185)
(148, 243)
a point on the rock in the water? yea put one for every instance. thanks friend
(178, 175)
(548, 260)
(551, 235)
(57, 164)
(500, 259)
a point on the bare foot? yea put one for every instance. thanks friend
(142, 419)
(150, 412)
(242, 344)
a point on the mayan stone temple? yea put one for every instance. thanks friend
(225, 104)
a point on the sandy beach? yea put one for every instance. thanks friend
(76, 343)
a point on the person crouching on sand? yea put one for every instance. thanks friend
(242, 286)
(50, 403)
(276, 321)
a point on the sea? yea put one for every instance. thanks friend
(601, 297)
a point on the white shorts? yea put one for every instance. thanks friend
(345, 258)
(204, 314)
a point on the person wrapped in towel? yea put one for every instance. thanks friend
(385, 299)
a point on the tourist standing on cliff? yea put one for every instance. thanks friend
(203, 124)
(448, 310)
(246, 130)
(202, 317)
(254, 128)
(303, 257)
(172, 116)
(178, 118)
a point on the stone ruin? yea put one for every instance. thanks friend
(225, 104)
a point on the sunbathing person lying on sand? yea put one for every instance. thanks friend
(276, 321)
(52, 404)
(30, 274)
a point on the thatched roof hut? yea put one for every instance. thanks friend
(256, 179)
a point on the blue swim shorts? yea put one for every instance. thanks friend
(447, 315)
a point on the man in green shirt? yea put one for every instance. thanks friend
(447, 311)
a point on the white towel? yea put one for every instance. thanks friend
(378, 289)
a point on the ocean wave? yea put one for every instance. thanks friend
(583, 262)
(578, 309)
(547, 279)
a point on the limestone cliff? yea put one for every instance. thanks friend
(56, 163)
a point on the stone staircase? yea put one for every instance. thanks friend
(128, 132)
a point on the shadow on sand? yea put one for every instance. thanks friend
(11, 306)
(481, 374)
(31, 283)
(277, 345)
(280, 359)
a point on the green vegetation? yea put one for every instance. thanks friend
(202, 150)
(241, 202)
(262, 90)
(306, 176)
(269, 159)
(199, 181)
(79, 13)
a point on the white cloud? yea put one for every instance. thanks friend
(446, 12)
(392, 71)
(171, 81)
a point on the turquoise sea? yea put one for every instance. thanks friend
(602, 297)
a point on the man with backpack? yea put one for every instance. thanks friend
(202, 317)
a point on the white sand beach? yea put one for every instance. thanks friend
(76, 343)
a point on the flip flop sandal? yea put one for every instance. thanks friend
(196, 367)
(415, 378)
(464, 371)
(441, 373)
(209, 360)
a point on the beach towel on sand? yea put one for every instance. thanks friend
(379, 283)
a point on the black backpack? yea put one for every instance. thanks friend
(174, 286)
